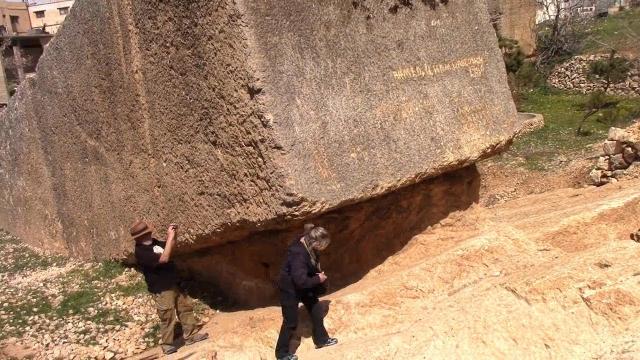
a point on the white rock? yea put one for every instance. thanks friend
(617, 134)
(612, 147)
(603, 163)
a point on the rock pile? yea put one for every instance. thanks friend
(573, 75)
(620, 157)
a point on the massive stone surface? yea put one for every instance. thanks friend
(235, 117)
(516, 19)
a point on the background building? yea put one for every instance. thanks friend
(14, 17)
(49, 13)
(547, 9)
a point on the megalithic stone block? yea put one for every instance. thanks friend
(234, 117)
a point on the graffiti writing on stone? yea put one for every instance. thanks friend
(405, 109)
(475, 114)
(474, 66)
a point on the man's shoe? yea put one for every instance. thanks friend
(169, 349)
(289, 357)
(329, 342)
(195, 338)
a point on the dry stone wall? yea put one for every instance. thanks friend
(236, 117)
(620, 157)
(573, 75)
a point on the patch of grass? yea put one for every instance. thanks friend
(20, 258)
(562, 113)
(19, 311)
(133, 289)
(620, 31)
(152, 335)
(94, 276)
(77, 302)
(8, 239)
(107, 270)
(109, 317)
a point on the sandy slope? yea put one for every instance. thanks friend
(553, 275)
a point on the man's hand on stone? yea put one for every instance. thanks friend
(172, 229)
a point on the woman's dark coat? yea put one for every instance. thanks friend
(299, 277)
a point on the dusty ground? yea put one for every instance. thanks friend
(553, 275)
(505, 178)
(523, 275)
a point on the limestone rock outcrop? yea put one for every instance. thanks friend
(516, 19)
(235, 117)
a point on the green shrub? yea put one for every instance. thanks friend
(528, 77)
(612, 69)
(512, 54)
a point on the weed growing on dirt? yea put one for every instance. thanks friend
(619, 31)
(77, 302)
(18, 257)
(132, 289)
(151, 336)
(58, 304)
(106, 316)
(16, 313)
(562, 111)
(107, 270)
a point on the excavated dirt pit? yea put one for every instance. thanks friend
(363, 236)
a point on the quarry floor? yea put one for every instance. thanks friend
(543, 267)
(551, 275)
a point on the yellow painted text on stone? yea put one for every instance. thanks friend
(473, 65)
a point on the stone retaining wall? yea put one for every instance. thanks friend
(620, 157)
(573, 75)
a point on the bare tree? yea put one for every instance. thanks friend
(559, 32)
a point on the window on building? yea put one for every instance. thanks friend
(15, 20)
(39, 14)
(64, 10)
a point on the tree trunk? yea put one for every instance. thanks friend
(586, 116)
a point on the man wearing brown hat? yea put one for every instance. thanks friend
(154, 258)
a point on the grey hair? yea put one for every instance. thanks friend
(316, 234)
(308, 227)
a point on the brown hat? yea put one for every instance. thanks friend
(139, 228)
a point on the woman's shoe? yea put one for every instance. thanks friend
(169, 349)
(329, 342)
(196, 338)
(289, 357)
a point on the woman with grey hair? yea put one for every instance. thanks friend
(302, 281)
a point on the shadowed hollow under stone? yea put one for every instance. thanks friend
(363, 236)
